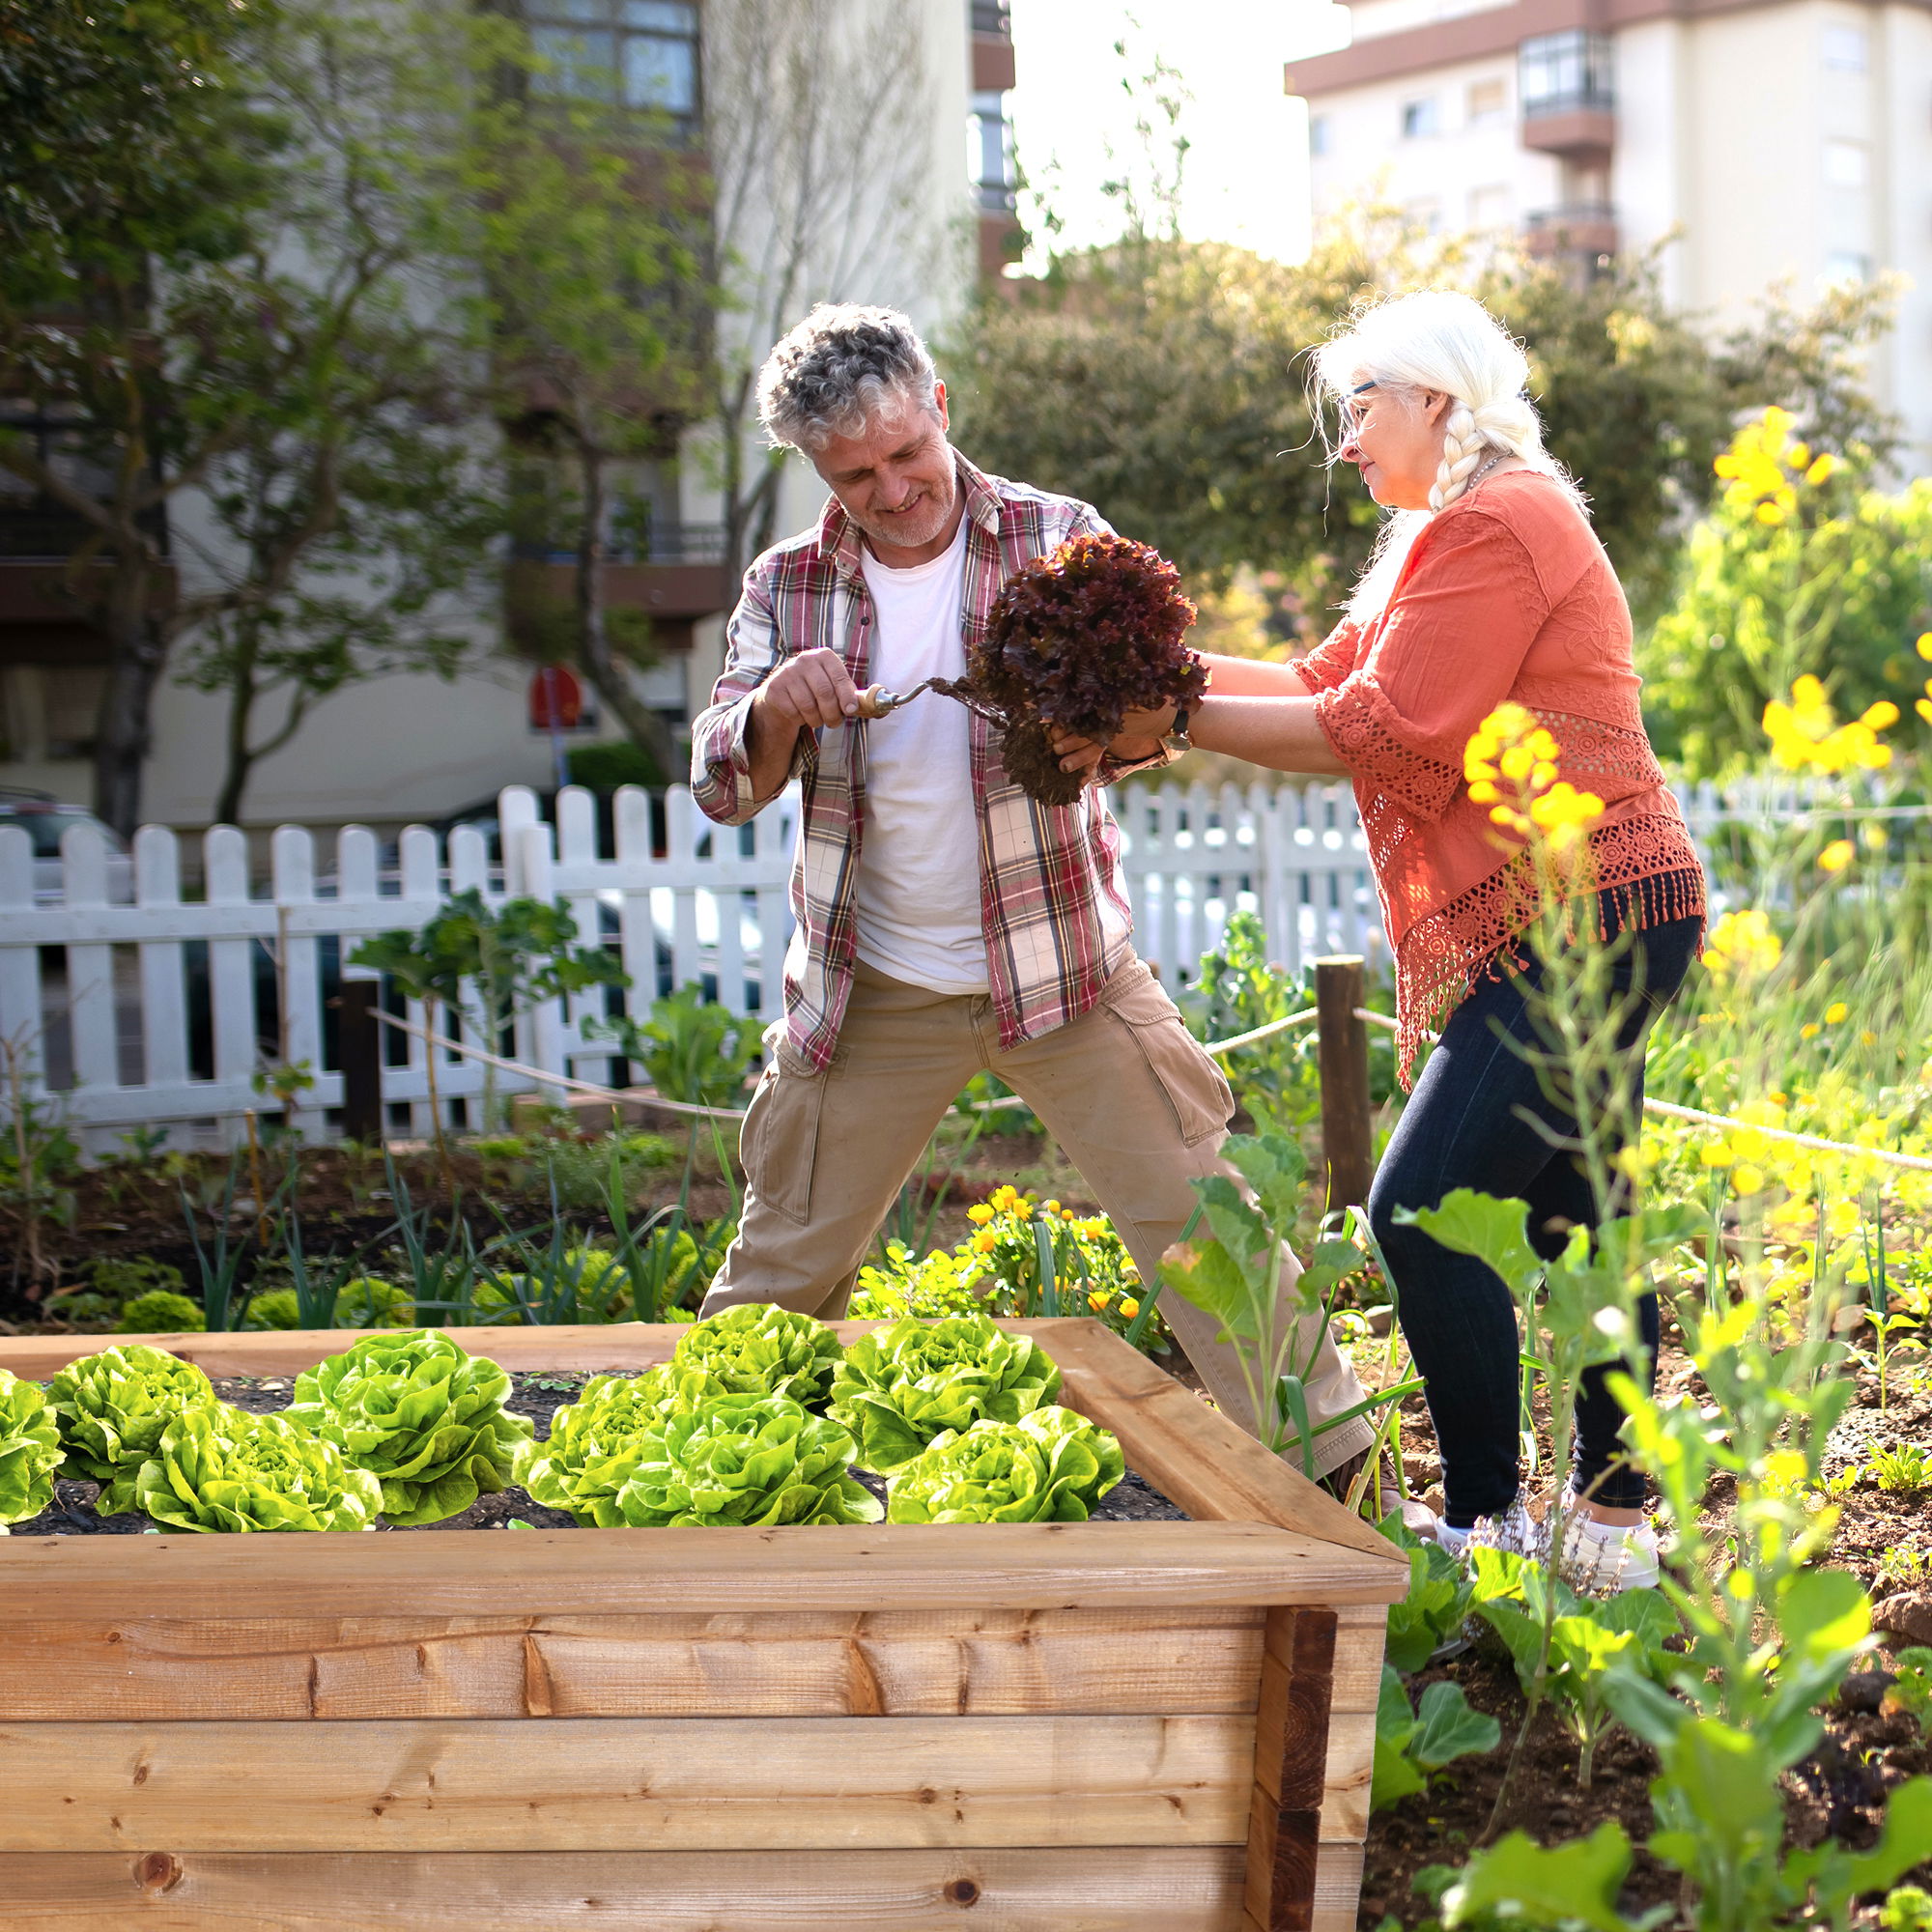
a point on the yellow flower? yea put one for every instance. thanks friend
(1769, 513)
(1798, 455)
(1822, 467)
(1742, 943)
(985, 1241)
(1097, 1300)
(1747, 1178)
(1835, 856)
(1837, 1010)
(1715, 1153)
(1067, 1214)
(1925, 646)
(1810, 1030)
(1129, 1307)
(1049, 1208)
(981, 1214)
(1879, 717)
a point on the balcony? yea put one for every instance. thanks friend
(1582, 127)
(39, 586)
(1578, 228)
(674, 573)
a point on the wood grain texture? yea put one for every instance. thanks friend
(1360, 1631)
(1202, 1460)
(627, 1784)
(1350, 1765)
(1121, 1888)
(1205, 1658)
(1019, 1566)
(1289, 1768)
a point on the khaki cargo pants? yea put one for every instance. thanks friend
(1125, 1089)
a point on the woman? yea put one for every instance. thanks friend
(1488, 585)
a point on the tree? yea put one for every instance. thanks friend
(821, 149)
(197, 360)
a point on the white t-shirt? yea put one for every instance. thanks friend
(917, 897)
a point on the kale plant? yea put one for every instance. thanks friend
(112, 1408)
(222, 1469)
(1052, 1465)
(419, 1414)
(901, 1387)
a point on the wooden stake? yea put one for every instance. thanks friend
(1348, 1136)
(360, 1048)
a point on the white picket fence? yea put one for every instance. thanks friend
(161, 1012)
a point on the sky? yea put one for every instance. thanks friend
(1245, 178)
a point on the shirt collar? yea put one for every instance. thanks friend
(840, 541)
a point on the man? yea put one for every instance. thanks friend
(946, 923)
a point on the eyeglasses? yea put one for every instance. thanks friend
(1352, 411)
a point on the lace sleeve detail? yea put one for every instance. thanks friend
(1332, 661)
(1368, 738)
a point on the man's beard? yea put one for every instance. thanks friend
(909, 535)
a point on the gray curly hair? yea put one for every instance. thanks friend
(838, 370)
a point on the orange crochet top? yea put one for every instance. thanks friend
(1506, 595)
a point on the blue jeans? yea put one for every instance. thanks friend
(1469, 1124)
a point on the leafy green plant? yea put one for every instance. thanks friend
(1437, 1605)
(927, 1285)
(759, 1348)
(747, 1460)
(1052, 1465)
(421, 1415)
(368, 1301)
(159, 1312)
(112, 1408)
(1901, 1467)
(591, 1452)
(1911, 1687)
(899, 1388)
(690, 1048)
(222, 1469)
(30, 1449)
(124, 1278)
(1411, 1743)
(274, 1308)
(1909, 1909)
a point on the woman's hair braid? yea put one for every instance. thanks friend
(1463, 446)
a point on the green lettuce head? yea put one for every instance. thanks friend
(592, 1449)
(759, 1350)
(1052, 1465)
(112, 1408)
(30, 1449)
(421, 1414)
(221, 1468)
(901, 1387)
(747, 1460)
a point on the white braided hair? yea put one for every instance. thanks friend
(1441, 340)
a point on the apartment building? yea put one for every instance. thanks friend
(1758, 142)
(405, 746)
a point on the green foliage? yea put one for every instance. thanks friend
(421, 1415)
(746, 1459)
(618, 762)
(1436, 1606)
(1909, 1909)
(1836, 587)
(113, 1407)
(693, 1050)
(161, 1312)
(30, 1449)
(590, 1453)
(1911, 1689)
(368, 1301)
(222, 1469)
(1570, 1884)
(1052, 1465)
(274, 1308)
(898, 1388)
(931, 1286)
(1412, 1743)
(759, 1348)
(124, 1279)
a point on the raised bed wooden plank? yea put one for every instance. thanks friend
(1121, 1888)
(1360, 1631)
(1351, 1764)
(627, 1784)
(1195, 1455)
(1291, 1767)
(1018, 1566)
(795, 1663)
(1338, 1889)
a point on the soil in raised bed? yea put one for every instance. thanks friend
(538, 1396)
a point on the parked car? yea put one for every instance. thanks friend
(44, 820)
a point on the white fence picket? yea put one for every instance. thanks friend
(710, 906)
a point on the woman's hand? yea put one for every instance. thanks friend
(1138, 738)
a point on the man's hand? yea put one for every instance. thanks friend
(809, 692)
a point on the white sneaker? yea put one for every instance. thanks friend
(1515, 1530)
(1600, 1559)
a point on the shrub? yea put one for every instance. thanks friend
(222, 1469)
(758, 1348)
(747, 1460)
(421, 1415)
(112, 1408)
(1052, 1465)
(162, 1311)
(30, 1449)
(901, 1387)
(591, 1453)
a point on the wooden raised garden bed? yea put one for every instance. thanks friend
(1063, 1728)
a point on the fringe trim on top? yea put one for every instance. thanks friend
(1442, 957)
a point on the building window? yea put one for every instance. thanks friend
(990, 162)
(1488, 103)
(1845, 265)
(640, 52)
(1559, 74)
(1846, 164)
(1420, 119)
(1320, 134)
(1845, 49)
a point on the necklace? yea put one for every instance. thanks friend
(1484, 469)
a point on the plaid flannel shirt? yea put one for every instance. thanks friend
(1051, 897)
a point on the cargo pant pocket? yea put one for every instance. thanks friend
(779, 1144)
(1196, 1090)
